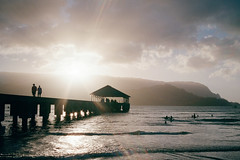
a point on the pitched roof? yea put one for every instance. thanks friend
(109, 91)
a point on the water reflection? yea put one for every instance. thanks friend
(75, 144)
(139, 134)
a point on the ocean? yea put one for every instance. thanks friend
(143, 133)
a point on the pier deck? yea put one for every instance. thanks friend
(26, 107)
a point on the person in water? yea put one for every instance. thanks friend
(39, 91)
(34, 90)
(171, 118)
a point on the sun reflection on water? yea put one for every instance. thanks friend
(70, 145)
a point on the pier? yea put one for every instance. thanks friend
(104, 100)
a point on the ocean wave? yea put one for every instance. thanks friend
(127, 152)
(219, 120)
(113, 134)
(45, 133)
(159, 124)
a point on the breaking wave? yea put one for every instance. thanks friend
(128, 152)
(113, 134)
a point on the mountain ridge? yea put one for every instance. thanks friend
(192, 93)
(167, 94)
(195, 88)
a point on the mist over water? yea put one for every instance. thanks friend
(140, 134)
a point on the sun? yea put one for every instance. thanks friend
(74, 63)
(74, 71)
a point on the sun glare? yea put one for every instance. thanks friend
(74, 72)
(77, 66)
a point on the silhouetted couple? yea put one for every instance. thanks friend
(35, 90)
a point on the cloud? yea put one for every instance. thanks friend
(119, 52)
(228, 70)
(209, 54)
(24, 22)
(227, 48)
(148, 22)
(137, 31)
(30, 13)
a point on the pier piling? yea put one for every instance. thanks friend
(15, 120)
(2, 111)
(58, 112)
(24, 123)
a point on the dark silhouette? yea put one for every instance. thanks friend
(171, 118)
(168, 118)
(194, 116)
(25, 107)
(169, 95)
(39, 91)
(34, 90)
(2, 129)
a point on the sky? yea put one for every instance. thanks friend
(165, 40)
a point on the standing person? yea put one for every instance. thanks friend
(39, 91)
(34, 90)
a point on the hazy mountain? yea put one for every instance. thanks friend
(142, 91)
(195, 88)
(166, 94)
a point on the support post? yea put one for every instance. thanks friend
(33, 111)
(68, 118)
(2, 111)
(33, 121)
(58, 118)
(45, 119)
(58, 112)
(44, 112)
(2, 115)
(90, 113)
(79, 116)
(15, 120)
(2, 129)
(14, 113)
(68, 111)
(24, 123)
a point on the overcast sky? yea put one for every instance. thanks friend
(166, 40)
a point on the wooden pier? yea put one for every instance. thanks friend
(25, 107)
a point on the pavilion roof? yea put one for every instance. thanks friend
(109, 91)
